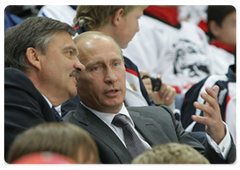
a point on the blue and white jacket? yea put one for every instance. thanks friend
(226, 100)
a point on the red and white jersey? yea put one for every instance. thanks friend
(134, 95)
(181, 53)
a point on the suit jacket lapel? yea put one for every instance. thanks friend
(99, 130)
(149, 129)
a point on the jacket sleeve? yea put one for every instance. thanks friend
(24, 106)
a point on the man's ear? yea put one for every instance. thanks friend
(33, 56)
(214, 28)
(117, 16)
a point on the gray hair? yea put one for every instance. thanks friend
(35, 32)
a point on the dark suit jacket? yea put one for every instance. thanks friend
(24, 105)
(156, 124)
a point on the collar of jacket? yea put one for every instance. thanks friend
(80, 29)
(220, 44)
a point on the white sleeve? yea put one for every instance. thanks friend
(224, 146)
(146, 46)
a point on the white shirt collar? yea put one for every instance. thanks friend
(108, 117)
(58, 108)
(49, 103)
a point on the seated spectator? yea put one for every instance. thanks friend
(121, 133)
(176, 50)
(222, 26)
(171, 153)
(39, 75)
(43, 158)
(62, 138)
(222, 35)
(112, 20)
(226, 100)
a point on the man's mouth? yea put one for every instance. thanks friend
(112, 91)
(75, 77)
(75, 74)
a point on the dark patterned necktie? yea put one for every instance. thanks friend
(133, 143)
(56, 114)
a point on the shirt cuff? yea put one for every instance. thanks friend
(172, 106)
(224, 146)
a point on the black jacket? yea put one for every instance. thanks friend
(24, 106)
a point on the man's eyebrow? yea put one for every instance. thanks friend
(70, 48)
(94, 63)
(116, 59)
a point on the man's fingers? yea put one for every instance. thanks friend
(216, 89)
(207, 109)
(200, 119)
(144, 73)
(213, 92)
(159, 76)
(210, 98)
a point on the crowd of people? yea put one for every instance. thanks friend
(74, 76)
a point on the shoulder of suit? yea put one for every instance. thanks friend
(16, 79)
(150, 110)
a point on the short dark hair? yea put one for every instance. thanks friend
(218, 13)
(33, 32)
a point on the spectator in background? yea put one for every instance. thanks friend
(176, 50)
(222, 26)
(40, 74)
(171, 153)
(222, 36)
(62, 138)
(121, 23)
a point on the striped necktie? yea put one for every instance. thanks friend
(133, 143)
(56, 114)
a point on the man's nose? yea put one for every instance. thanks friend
(79, 66)
(110, 76)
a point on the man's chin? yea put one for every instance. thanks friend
(73, 94)
(114, 107)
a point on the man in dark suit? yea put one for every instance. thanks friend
(101, 89)
(108, 19)
(41, 68)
